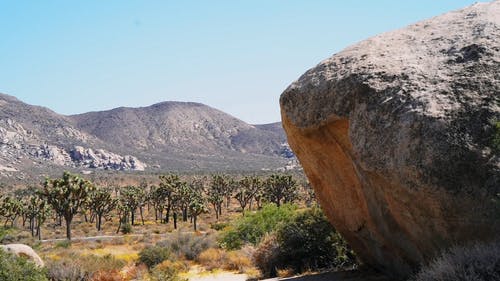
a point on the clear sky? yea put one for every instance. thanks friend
(234, 55)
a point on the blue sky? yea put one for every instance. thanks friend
(234, 55)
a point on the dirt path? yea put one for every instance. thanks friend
(223, 276)
(100, 237)
(340, 276)
(111, 237)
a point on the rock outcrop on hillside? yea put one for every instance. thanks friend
(102, 159)
(396, 136)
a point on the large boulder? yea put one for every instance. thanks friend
(396, 135)
(23, 251)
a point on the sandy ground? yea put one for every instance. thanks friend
(223, 276)
(332, 276)
(340, 276)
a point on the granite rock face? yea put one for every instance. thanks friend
(102, 159)
(396, 136)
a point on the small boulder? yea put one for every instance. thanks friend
(23, 251)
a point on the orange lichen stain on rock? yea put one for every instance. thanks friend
(325, 155)
(367, 209)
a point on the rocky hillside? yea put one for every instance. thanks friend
(172, 136)
(179, 127)
(397, 136)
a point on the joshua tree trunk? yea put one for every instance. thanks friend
(184, 214)
(99, 220)
(68, 220)
(167, 216)
(142, 217)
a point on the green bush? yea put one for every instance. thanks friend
(153, 255)
(478, 262)
(13, 268)
(187, 245)
(307, 242)
(253, 226)
(63, 244)
(219, 225)
(126, 228)
(3, 232)
(496, 136)
(311, 242)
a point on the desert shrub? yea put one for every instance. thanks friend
(214, 258)
(284, 273)
(3, 232)
(6, 235)
(126, 228)
(187, 245)
(307, 242)
(110, 275)
(311, 242)
(63, 244)
(211, 258)
(253, 226)
(496, 136)
(477, 262)
(167, 271)
(135, 272)
(235, 260)
(106, 263)
(219, 225)
(14, 268)
(74, 267)
(67, 270)
(153, 255)
(266, 256)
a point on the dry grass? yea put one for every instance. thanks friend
(215, 258)
(477, 262)
(112, 275)
(212, 258)
(286, 272)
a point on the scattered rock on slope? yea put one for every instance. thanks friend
(395, 135)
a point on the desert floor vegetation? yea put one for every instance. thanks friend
(176, 228)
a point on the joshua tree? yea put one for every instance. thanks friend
(157, 197)
(246, 190)
(281, 189)
(134, 198)
(101, 203)
(169, 186)
(216, 193)
(66, 195)
(10, 209)
(36, 210)
(197, 206)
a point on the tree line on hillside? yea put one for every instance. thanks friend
(173, 199)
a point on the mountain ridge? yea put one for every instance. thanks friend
(165, 136)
